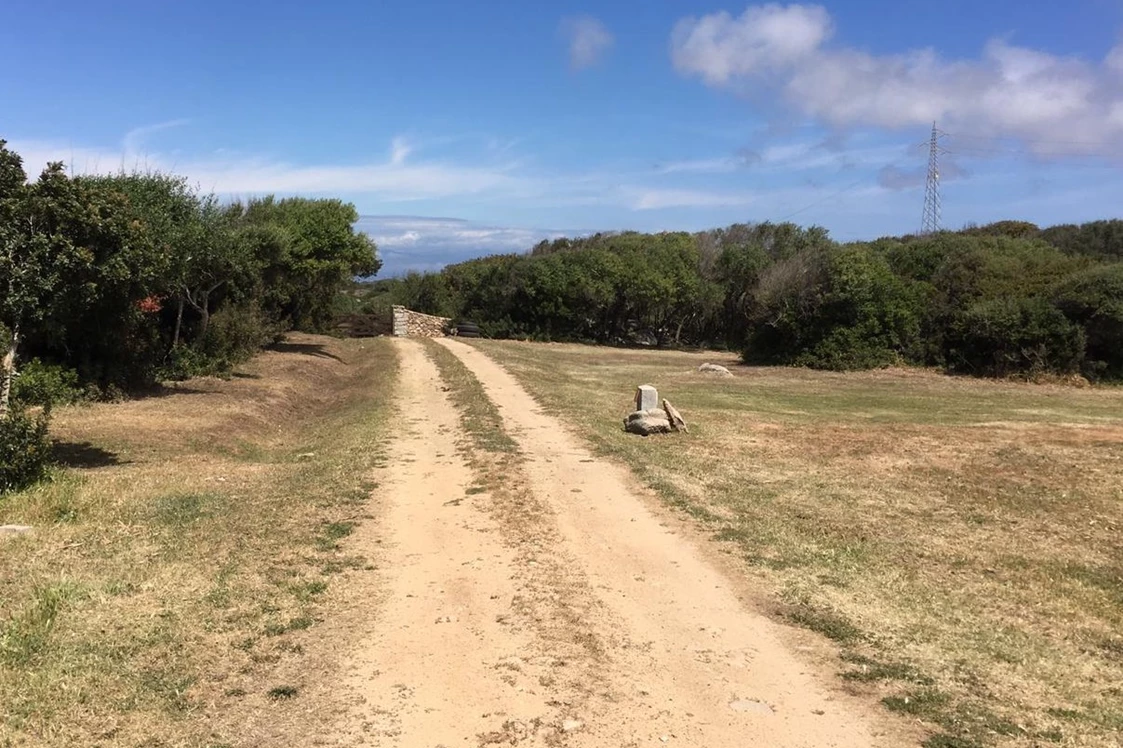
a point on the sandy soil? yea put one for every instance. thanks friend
(561, 609)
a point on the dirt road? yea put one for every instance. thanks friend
(555, 607)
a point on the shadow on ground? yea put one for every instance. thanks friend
(306, 349)
(83, 455)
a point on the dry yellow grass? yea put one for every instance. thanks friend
(958, 538)
(182, 568)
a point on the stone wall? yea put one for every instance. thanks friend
(409, 324)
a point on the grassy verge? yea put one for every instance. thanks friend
(957, 539)
(478, 414)
(179, 569)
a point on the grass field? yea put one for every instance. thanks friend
(959, 539)
(181, 568)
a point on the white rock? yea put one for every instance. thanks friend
(750, 705)
(14, 529)
(715, 369)
(647, 397)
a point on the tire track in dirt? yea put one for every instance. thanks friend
(443, 664)
(668, 654)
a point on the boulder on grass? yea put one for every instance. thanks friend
(674, 417)
(715, 369)
(647, 422)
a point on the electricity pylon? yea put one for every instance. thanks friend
(930, 220)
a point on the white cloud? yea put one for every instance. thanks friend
(427, 243)
(1009, 91)
(135, 139)
(399, 151)
(392, 180)
(720, 47)
(588, 40)
(720, 165)
(658, 199)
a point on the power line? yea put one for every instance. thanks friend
(822, 200)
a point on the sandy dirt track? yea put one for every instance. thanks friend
(558, 608)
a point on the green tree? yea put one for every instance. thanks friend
(1093, 300)
(312, 253)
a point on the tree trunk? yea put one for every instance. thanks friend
(205, 313)
(178, 322)
(678, 331)
(9, 374)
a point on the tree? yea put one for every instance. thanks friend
(36, 257)
(320, 254)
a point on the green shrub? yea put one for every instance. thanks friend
(185, 362)
(25, 449)
(37, 383)
(235, 334)
(1093, 299)
(1009, 336)
(839, 309)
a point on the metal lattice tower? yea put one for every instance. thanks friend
(930, 220)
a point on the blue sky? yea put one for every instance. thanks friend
(460, 129)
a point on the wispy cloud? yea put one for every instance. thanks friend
(658, 199)
(397, 179)
(1009, 91)
(399, 151)
(135, 140)
(895, 178)
(588, 41)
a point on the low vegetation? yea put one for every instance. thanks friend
(186, 560)
(1002, 300)
(957, 539)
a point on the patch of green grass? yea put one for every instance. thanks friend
(26, 634)
(276, 628)
(178, 510)
(280, 693)
(829, 623)
(306, 591)
(943, 740)
(869, 670)
(332, 532)
(927, 704)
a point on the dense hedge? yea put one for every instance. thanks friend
(1006, 299)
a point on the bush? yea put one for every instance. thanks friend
(185, 362)
(840, 309)
(42, 384)
(1004, 337)
(1093, 299)
(25, 449)
(235, 334)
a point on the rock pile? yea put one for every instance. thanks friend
(410, 324)
(649, 418)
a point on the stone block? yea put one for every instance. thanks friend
(647, 397)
